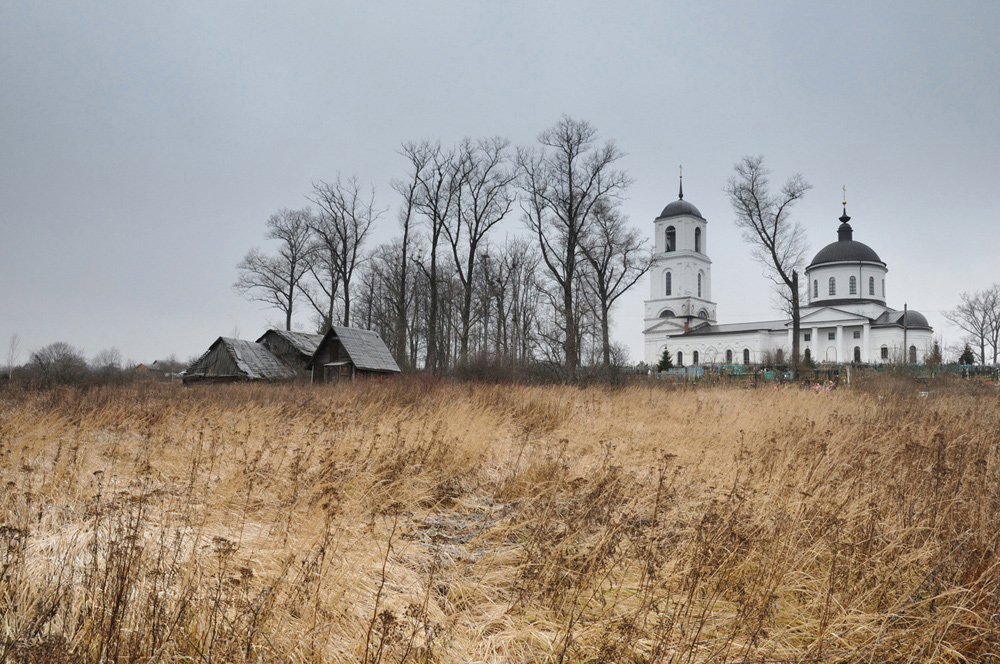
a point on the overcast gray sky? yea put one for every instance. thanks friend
(143, 146)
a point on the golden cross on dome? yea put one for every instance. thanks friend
(845, 195)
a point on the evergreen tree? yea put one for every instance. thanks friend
(967, 356)
(665, 361)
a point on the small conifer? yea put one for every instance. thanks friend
(967, 356)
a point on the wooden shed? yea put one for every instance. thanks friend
(347, 353)
(295, 349)
(229, 360)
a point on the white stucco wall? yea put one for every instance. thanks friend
(822, 348)
(842, 273)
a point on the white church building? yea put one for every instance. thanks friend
(845, 317)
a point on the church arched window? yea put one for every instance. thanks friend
(694, 358)
(779, 356)
(883, 289)
(833, 286)
(746, 356)
(808, 355)
(913, 354)
(729, 356)
(666, 313)
(853, 285)
(666, 283)
(815, 287)
(857, 353)
(671, 239)
(885, 352)
(871, 285)
(699, 284)
(697, 240)
(703, 314)
(680, 359)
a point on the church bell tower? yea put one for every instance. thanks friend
(680, 297)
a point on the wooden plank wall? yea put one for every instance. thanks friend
(219, 362)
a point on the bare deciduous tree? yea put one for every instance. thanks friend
(512, 278)
(106, 366)
(435, 199)
(322, 291)
(485, 196)
(57, 363)
(776, 241)
(107, 359)
(563, 181)
(12, 348)
(618, 258)
(993, 300)
(275, 280)
(419, 156)
(978, 314)
(347, 214)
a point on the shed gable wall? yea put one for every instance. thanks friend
(217, 362)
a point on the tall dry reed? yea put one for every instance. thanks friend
(415, 522)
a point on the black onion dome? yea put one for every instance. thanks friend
(846, 250)
(679, 208)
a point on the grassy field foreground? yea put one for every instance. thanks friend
(412, 522)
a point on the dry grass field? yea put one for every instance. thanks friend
(426, 522)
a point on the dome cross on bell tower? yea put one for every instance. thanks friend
(680, 194)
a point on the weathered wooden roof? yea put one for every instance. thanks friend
(256, 361)
(366, 349)
(305, 343)
(252, 359)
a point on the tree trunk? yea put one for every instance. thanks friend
(432, 326)
(414, 336)
(569, 345)
(400, 341)
(347, 304)
(329, 313)
(605, 334)
(467, 306)
(466, 326)
(795, 324)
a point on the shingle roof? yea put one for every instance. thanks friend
(366, 349)
(256, 361)
(304, 342)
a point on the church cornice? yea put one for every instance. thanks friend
(844, 300)
(818, 266)
(682, 253)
